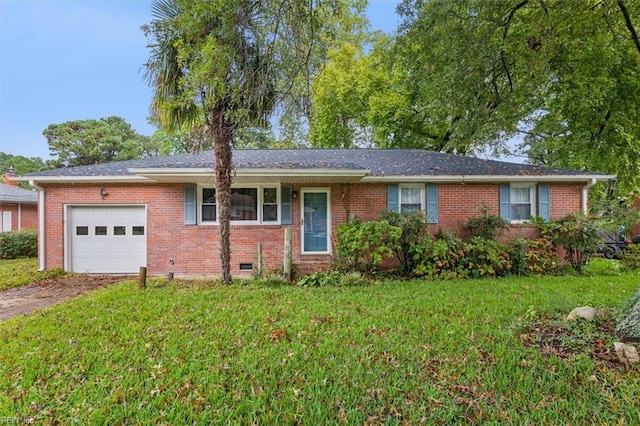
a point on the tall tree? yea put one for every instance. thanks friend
(20, 165)
(85, 142)
(467, 75)
(562, 74)
(217, 66)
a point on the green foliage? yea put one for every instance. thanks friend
(485, 258)
(517, 249)
(541, 256)
(86, 142)
(333, 279)
(363, 246)
(439, 258)
(14, 273)
(414, 232)
(20, 165)
(486, 225)
(474, 74)
(630, 257)
(18, 244)
(577, 234)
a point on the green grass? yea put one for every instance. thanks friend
(17, 272)
(395, 352)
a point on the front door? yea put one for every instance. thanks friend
(315, 221)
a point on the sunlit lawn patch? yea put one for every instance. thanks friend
(394, 352)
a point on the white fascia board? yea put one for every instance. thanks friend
(489, 178)
(80, 179)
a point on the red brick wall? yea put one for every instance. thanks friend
(194, 249)
(28, 215)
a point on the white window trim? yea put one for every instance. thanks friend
(532, 199)
(423, 195)
(259, 221)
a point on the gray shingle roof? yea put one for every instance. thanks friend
(11, 194)
(380, 162)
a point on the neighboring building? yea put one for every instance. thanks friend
(18, 207)
(162, 213)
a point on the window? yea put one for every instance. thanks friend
(269, 204)
(209, 210)
(518, 201)
(411, 198)
(137, 230)
(259, 204)
(244, 203)
(119, 230)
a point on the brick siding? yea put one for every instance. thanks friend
(194, 249)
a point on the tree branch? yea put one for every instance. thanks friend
(627, 21)
(510, 17)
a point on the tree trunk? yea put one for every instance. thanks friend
(222, 131)
(629, 328)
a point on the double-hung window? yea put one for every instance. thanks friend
(414, 198)
(411, 198)
(520, 202)
(249, 204)
(209, 207)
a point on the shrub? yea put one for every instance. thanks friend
(485, 258)
(486, 225)
(439, 258)
(334, 278)
(578, 235)
(541, 256)
(630, 257)
(18, 244)
(363, 246)
(517, 249)
(414, 231)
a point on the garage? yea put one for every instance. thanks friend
(106, 239)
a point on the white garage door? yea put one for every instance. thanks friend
(107, 239)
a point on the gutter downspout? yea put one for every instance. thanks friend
(585, 195)
(19, 216)
(41, 229)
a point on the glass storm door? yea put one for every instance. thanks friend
(315, 221)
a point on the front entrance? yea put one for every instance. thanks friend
(315, 221)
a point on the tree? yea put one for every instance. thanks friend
(85, 142)
(20, 165)
(467, 75)
(218, 66)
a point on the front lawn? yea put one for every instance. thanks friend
(17, 272)
(396, 352)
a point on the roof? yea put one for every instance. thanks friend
(318, 165)
(11, 194)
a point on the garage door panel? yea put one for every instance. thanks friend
(107, 239)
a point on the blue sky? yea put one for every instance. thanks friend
(76, 60)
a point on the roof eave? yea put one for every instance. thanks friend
(255, 175)
(489, 178)
(80, 179)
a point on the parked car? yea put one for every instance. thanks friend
(613, 243)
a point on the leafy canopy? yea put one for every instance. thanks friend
(85, 142)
